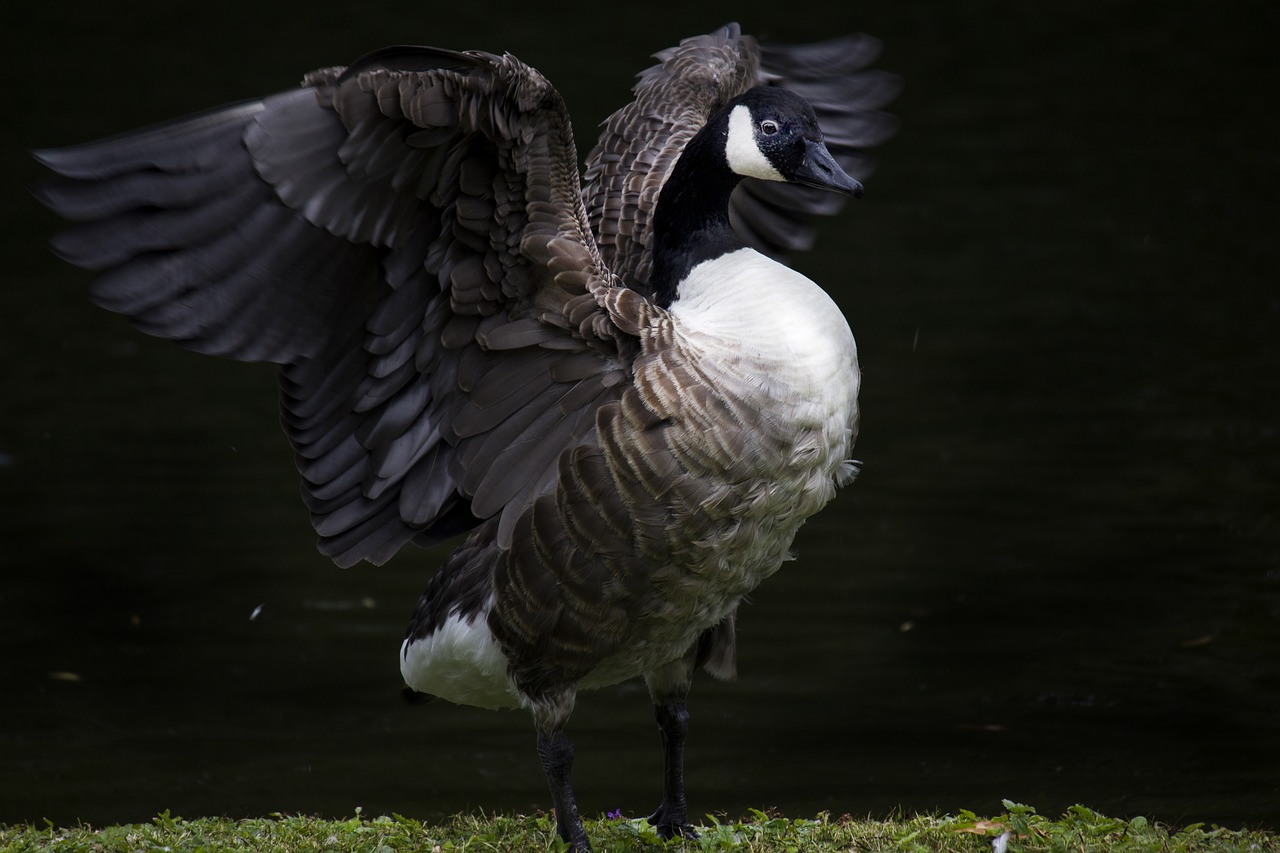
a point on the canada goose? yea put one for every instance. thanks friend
(614, 387)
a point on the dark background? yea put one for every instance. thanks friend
(1057, 579)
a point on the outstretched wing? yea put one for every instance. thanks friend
(641, 142)
(406, 238)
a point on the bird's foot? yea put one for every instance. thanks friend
(574, 834)
(670, 825)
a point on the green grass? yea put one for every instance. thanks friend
(1020, 828)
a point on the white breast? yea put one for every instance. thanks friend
(776, 330)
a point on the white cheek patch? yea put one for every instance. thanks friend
(744, 155)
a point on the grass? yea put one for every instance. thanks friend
(1019, 830)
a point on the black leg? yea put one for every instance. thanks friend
(556, 752)
(671, 818)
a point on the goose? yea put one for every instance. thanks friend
(608, 382)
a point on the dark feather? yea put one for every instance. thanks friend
(310, 228)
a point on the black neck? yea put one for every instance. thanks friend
(691, 221)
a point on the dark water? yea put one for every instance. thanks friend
(1057, 579)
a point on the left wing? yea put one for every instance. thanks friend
(406, 237)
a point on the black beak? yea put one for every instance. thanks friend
(821, 170)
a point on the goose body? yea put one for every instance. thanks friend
(799, 366)
(615, 390)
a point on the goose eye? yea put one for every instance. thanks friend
(768, 127)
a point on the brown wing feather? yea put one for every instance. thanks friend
(406, 238)
(641, 142)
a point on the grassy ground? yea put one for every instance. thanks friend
(1018, 829)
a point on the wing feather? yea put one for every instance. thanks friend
(406, 238)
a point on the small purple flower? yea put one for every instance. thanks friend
(616, 814)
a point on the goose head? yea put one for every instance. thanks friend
(766, 133)
(773, 134)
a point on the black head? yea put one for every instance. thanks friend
(773, 134)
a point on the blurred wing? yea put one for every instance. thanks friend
(641, 142)
(406, 237)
